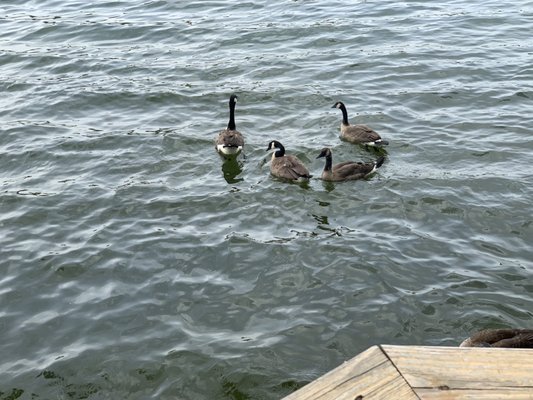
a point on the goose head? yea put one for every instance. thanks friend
(275, 145)
(326, 152)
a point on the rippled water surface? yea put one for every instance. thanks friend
(136, 264)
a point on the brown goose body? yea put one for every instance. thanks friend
(517, 338)
(230, 141)
(357, 134)
(286, 166)
(348, 170)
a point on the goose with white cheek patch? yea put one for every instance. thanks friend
(230, 142)
(286, 166)
(357, 134)
(348, 170)
(514, 338)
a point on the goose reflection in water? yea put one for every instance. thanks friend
(231, 168)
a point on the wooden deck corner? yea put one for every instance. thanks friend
(388, 372)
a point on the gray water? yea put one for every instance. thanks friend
(137, 265)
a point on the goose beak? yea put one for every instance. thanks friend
(334, 106)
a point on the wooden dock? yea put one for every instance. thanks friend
(427, 373)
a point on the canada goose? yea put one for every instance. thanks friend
(358, 134)
(348, 170)
(286, 166)
(230, 141)
(500, 338)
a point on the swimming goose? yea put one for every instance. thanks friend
(286, 166)
(500, 338)
(348, 170)
(230, 141)
(358, 134)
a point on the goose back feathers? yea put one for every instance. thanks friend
(517, 338)
(230, 141)
(348, 170)
(358, 134)
(286, 166)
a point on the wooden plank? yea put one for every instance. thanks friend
(370, 374)
(489, 394)
(463, 368)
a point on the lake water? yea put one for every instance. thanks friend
(137, 265)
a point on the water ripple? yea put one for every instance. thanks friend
(138, 264)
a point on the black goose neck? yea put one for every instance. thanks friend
(344, 115)
(231, 123)
(329, 162)
(280, 152)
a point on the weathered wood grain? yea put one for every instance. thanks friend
(463, 368)
(487, 394)
(370, 375)
(427, 373)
